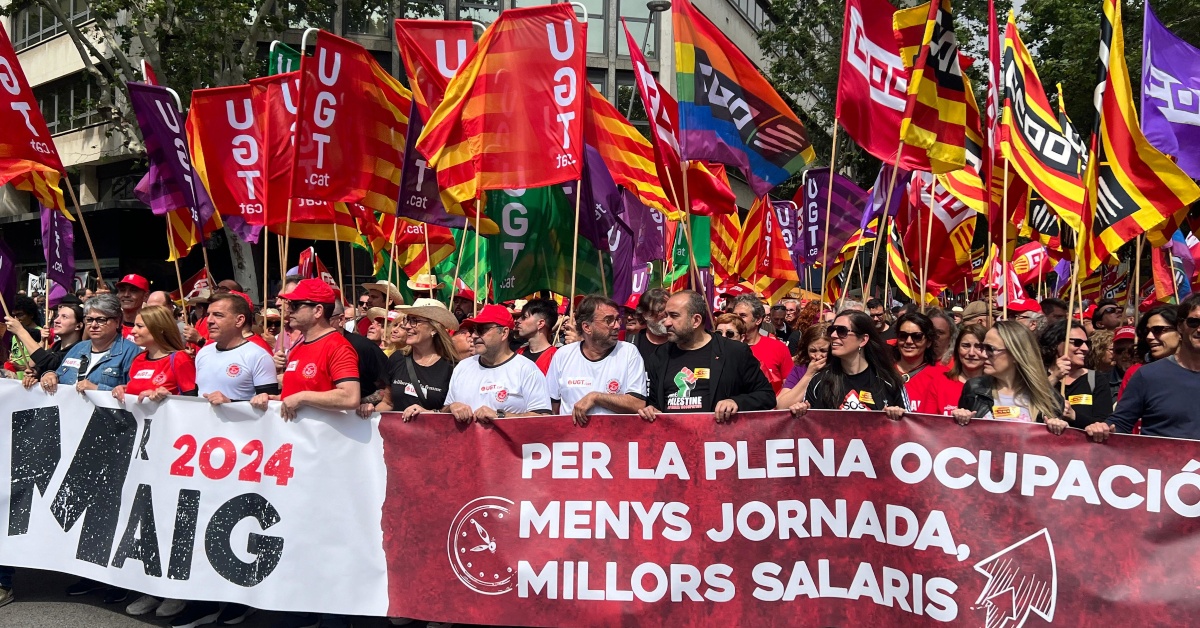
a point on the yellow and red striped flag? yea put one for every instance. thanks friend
(725, 231)
(933, 129)
(838, 276)
(761, 250)
(183, 233)
(627, 153)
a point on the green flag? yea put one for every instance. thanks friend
(475, 280)
(532, 252)
(701, 241)
(282, 58)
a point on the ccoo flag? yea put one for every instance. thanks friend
(873, 81)
(1135, 187)
(1171, 94)
(729, 113)
(512, 117)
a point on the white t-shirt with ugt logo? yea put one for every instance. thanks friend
(513, 386)
(572, 375)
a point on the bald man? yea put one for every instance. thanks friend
(160, 297)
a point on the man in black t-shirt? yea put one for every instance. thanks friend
(696, 371)
(372, 362)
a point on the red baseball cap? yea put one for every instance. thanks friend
(738, 290)
(313, 290)
(244, 296)
(491, 314)
(465, 293)
(137, 281)
(1125, 333)
(1024, 305)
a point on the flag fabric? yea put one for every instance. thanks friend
(1136, 188)
(1032, 138)
(937, 225)
(226, 135)
(191, 286)
(58, 245)
(762, 251)
(282, 58)
(627, 153)
(649, 229)
(725, 232)
(501, 129)
(729, 113)
(898, 266)
(1031, 263)
(1062, 275)
(845, 214)
(879, 195)
(419, 196)
(1002, 280)
(28, 156)
(872, 82)
(425, 48)
(601, 203)
(311, 267)
(1114, 284)
(662, 111)
(837, 277)
(787, 228)
(933, 127)
(350, 127)
(1170, 93)
(968, 184)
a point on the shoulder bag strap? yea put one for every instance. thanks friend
(412, 375)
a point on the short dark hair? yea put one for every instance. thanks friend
(1051, 302)
(874, 303)
(653, 300)
(237, 304)
(695, 302)
(25, 304)
(751, 301)
(586, 310)
(1101, 304)
(544, 308)
(1052, 336)
(1190, 303)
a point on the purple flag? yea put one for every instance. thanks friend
(1062, 271)
(419, 198)
(879, 194)
(846, 211)
(648, 226)
(58, 243)
(787, 222)
(8, 274)
(1171, 94)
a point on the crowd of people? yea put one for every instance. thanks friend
(1105, 370)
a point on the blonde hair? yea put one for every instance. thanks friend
(1031, 375)
(161, 323)
(442, 345)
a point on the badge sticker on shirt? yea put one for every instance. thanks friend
(1080, 400)
(701, 373)
(579, 382)
(144, 374)
(853, 402)
(866, 397)
(291, 366)
(1006, 412)
(233, 370)
(160, 379)
(613, 386)
(410, 390)
(310, 370)
(72, 363)
(502, 395)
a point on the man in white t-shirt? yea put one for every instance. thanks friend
(231, 368)
(599, 374)
(495, 382)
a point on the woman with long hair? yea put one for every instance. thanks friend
(1014, 385)
(809, 360)
(919, 363)
(1157, 338)
(1086, 389)
(419, 372)
(860, 374)
(68, 330)
(163, 368)
(968, 354)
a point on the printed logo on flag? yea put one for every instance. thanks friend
(474, 549)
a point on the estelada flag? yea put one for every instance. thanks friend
(28, 157)
(512, 117)
(872, 82)
(933, 128)
(426, 47)
(625, 151)
(350, 128)
(1032, 137)
(745, 124)
(1135, 187)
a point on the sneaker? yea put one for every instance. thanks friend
(84, 586)
(234, 614)
(114, 595)
(197, 614)
(298, 620)
(143, 605)
(6, 596)
(170, 608)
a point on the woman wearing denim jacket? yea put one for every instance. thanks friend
(102, 359)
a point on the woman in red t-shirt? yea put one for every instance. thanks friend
(164, 368)
(924, 378)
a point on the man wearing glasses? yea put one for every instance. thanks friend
(1162, 394)
(495, 382)
(879, 316)
(599, 374)
(321, 371)
(1108, 315)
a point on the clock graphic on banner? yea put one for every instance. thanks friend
(476, 542)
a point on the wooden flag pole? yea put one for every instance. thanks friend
(428, 255)
(828, 209)
(1137, 275)
(353, 272)
(575, 246)
(887, 203)
(204, 254)
(1074, 290)
(45, 332)
(86, 235)
(393, 266)
(933, 206)
(462, 247)
(178, 275)
(287, 236)
(603, 279)
(687, 238)
(1002, 252)
(266, 240)
(4, 304)
(475, 281)
(337, 254)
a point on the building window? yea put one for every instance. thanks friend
(425, 10)
(637, 16)
(483, 11)
(754, 14)
(629, 102)
(35, 24)
(597, 31)
(367, 17)
(69, 103)
(302, 14)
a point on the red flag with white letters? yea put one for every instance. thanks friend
(225, 132)
(873, 82)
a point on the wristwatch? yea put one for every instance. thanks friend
(499, 414)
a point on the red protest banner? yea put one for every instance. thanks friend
(841, 518)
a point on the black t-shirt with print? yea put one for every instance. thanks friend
(689, 385)
(433, 381)
(1090, 404)
(864, 391)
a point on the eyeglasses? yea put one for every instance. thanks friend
(481, 330)
(905, 336)
(840, 331)
(728, 333)
(97, 320)
(1192, 322)
(989, 350)
(274, 325)
(364, 304)
(412, 321)
(1159, 330)
(607, 320)
(1080, 342)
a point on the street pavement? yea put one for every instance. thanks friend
(41, 603)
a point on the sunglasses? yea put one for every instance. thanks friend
(728, 333)
(905, 336)
(989, 350)
(1192, 322)
(1159, 330)
(840, 331)
(1109, 310)
(1080, 342)
(364, 303)
(482, 330)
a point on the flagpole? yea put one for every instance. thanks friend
(462, 247)
(603, 280)
(45, 334)
(575, 246)
(475, 281)
(694, 271)
(1137, 275)
(178, 276)
(266, 240)
(828, 209)
(1003, 250)
(392, 265)
(428, 256)
(337, 254)
(86, 235)
(287, 236)
(887, 204)
(353, 272)
(933, 206)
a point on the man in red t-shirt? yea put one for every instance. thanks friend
(131, 292)
(773, 356)
(322, 370)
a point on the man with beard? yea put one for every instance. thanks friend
(536, 327)
(599, 374)
(131, 292)
(650, 311)
(495, 382)
(699, 372)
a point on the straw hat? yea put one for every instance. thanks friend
(201, 297)
(432, 309)
(425, 283)
(386, 287)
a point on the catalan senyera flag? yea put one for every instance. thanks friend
(429, 76)
(1032, 137)
(933, 129)
(762, 251)
(28, 156)
(772, 289)
(339, 226)
(512, 117)
(838, 275)
(184, 234)
(725, 231)
(748, 126)
(1136, 188)
(627, 153)
(350, 127)
(898, 265)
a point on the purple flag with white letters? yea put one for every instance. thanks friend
(649, 231)
(1171, 94)
(879, 193)
(845, 213)
(58, 244)
(419, 197)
